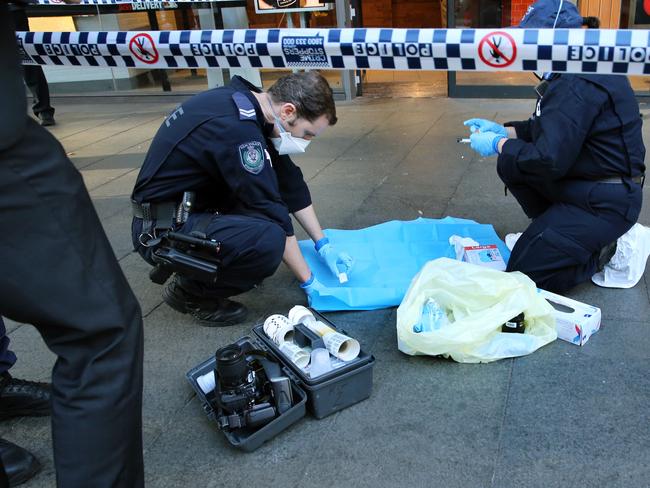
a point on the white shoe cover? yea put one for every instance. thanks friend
(627, 266)
(511, 239)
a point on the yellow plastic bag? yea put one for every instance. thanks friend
(478, 301)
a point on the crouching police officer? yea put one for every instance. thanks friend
(576, 166)
(213, 198)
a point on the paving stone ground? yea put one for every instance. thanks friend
(564, 416)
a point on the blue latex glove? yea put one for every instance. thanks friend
(486, 126)
(337, 262)
(312, 286)
(485, 143)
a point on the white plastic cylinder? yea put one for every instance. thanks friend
(296, 354)
(206, 382)
(342, 346)
(278, 328)
(300, 314)
(339, 345)
(320, 362)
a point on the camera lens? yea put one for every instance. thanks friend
(231, 366)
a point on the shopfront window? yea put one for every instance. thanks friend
(403, 14)
(489, 14)
(231, 14)
(98, 80)
(635, 14)
(308, 19)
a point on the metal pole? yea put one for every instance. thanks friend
(210, 19)
(343, 20)
(451, 23)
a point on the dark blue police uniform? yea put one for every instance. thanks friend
(60, 274)
(216, 145)
(7, 357)
(576, 169)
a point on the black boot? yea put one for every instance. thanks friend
(19, 464)
(210, 312)
(47, 119)
(606, 254)
(20, 398)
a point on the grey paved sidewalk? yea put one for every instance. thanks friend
(564, 416)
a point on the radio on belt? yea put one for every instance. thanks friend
(261, 384)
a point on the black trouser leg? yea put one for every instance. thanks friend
(532, 202)
(560, 248)
(251, 250)
(37, 84)
(60, 274)
(7, 357)
(33, 75)
(4, 481)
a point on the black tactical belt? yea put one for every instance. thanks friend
(621, 179)
(156, 211)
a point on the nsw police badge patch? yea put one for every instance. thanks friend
(251, 156)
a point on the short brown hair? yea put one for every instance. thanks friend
(309, 92)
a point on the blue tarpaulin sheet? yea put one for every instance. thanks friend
(386, 258)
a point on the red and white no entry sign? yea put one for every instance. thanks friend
(497, 49)
(143, 48)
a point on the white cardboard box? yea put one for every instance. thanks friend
(576, 322)
(488, 256)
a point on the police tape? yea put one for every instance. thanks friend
(558, 50)
(154, 3)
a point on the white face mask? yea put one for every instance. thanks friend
(286, 143)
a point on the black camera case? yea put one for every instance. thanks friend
(321, 396)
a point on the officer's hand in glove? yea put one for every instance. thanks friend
(337, 262)
(485, 143)
(312, 286)
(486, 126)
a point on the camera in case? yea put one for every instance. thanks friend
(253, 391)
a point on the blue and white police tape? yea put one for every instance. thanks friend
(113, 2)
(557, 50)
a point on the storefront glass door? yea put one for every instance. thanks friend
(488, 14)
(425, 14)
(635, 14)
(163, 15)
